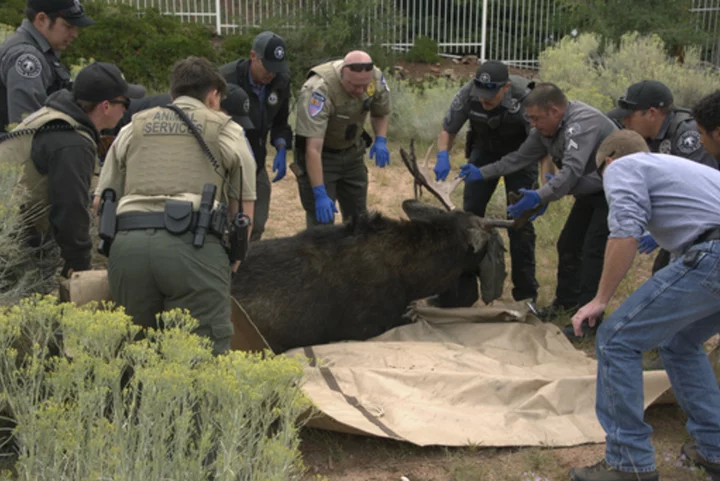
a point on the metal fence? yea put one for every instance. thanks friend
(514, 31)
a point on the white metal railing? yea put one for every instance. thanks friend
(513, 31)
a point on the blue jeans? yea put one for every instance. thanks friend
(677, 310)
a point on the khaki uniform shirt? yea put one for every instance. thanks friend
(144, 181)
(325, 110)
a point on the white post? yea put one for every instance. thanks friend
(484, 31)
(217, 17)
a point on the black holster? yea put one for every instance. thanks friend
(108, 221)
(238, 237)
(204, 214)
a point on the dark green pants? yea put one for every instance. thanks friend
(346, 180)
(262, 204)
(151, 271)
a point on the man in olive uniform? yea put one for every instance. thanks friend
(570, 132)
(57, 145)
(647, 108)
(330, 145)
(264, 76)
(30, 67)
(158, 170)
(492, 101)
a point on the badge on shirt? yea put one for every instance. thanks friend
(317, 103)
(457, 103)
(384, 83)
(514, 106)
(370, 90)
(28, 66)
(573, 129)
(688, 142)
(665, 147)
(273, 98)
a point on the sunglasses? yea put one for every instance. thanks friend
(125, 102)
(360, 67)
(488, 85)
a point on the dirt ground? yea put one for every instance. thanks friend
(341, 457)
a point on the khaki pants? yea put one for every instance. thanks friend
(151, 271)
(346, 180)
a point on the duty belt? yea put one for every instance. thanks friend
(153, 220)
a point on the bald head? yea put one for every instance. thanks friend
(356, 56)
(619, 144)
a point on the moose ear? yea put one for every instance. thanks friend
(418, 210)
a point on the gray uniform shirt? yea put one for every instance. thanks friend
(675, 199)
(684, 142)
(27, 72)
(572, 148)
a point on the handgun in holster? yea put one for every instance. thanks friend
(204, 214)
(238, 237)
(108, 221)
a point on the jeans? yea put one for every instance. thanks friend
(677, 310)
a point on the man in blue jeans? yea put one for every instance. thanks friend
(676, 310)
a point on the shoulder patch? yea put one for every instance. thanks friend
(370, 90)
(572, 129)
(665, 147)
(384, 83)
(28, 66)
(317, 103)
(514, 106)
(273, 98)
(688, 142)
(457, 103)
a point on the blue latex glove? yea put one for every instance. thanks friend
(324, 206)
(470, 173)
(279, 164)
(647, 244)
(545, 206)
(530, 200)
(442, 166)
(380, 151)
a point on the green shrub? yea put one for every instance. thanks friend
(424, 50)
(578, 67)
(143, 43)
(12, 12)
(182, 415)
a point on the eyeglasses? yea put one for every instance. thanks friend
(124, 102)
(360, 67)
(488, 85)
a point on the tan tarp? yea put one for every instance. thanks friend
(491, 376)
(463, 376)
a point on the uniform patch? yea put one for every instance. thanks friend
(279, 52)
(688, 142)
(514, 106)
(457, 103)
(28, 66)
(273, 98)
(317, 103)
(246, 106)
(370, 90)
(384, 83)
(484, 77)
(665, 147)
(573, 129)
(572, 145)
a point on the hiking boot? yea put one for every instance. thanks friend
(693, 456)
(602, 471)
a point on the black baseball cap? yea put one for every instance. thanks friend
(490, 77)
(270, 48)
(103, 81)
(642, 96)
(237, 104)
(70, 10)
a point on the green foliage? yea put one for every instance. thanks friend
(12, 12)
(144, 44)
(671, 20)
(236, 46)
(182, 414)
(330, 30)
(577, 67)
(424, 50)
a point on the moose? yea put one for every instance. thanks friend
(355, 281)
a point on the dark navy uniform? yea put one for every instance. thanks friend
(493, 134)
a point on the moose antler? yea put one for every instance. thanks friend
(424, 177)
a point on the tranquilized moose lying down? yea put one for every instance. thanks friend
(355, 281)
